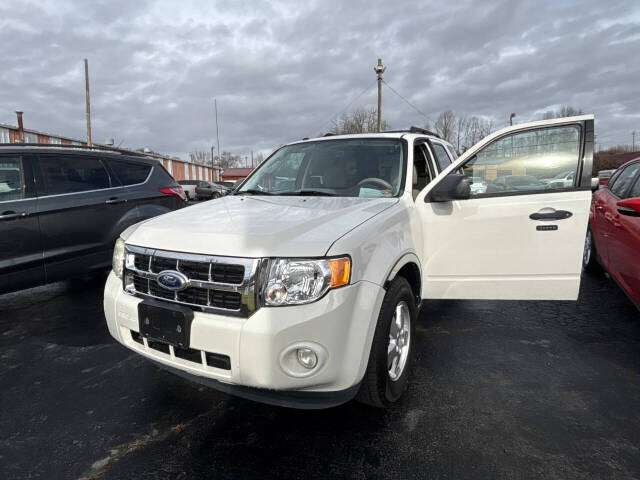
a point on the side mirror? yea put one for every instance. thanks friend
(629, 206)
(454, 186)
(594, 184)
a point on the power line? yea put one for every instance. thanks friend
(348, 105)
(408, 102)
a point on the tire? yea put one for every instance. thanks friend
(186, 194)
(379, 388)
(590, 262)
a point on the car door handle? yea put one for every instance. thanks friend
(12, 215)
(555, 215)
(114, 200)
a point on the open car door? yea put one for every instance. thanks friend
(514, 233)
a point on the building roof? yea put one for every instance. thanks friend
(237, 172)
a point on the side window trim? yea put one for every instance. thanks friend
(423, 144)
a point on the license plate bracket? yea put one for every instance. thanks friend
(169, 324)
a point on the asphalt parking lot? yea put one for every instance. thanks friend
(500, 390)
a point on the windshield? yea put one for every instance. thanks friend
(363, 167)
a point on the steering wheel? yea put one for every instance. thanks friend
(377, 181)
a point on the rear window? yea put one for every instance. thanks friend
(441, 156)
(130, 173)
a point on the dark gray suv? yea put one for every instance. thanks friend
(62, 209)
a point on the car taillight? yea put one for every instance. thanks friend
(177, 191)
(195, 189)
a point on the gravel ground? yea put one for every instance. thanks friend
(499, 390)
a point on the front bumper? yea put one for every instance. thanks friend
(340, 327)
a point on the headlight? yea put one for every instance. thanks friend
(118, 258)
(294, 282)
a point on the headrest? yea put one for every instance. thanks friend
(415, 176)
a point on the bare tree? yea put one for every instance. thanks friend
(563, 111)
(358, 121)
(446, 125)
(461, 125)
(200, 157)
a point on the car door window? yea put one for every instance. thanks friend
(635, 191)
(527, 161)
(441, 156)
(11, 179)
(130, 173)
(70, 174)
(623, 180)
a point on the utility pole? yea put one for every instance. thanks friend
(86, 91)
(511, 118)
(212, 164)
(633, 148)
(251, 158)
(215, 104)
(379, 69)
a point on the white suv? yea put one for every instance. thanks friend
(303, 287)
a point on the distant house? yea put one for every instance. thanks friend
(236, 173)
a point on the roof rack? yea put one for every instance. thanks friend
(413, 129)
(103, 148)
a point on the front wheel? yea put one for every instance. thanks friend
(391, 355)
(589, 256)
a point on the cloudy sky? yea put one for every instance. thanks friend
(281, 70)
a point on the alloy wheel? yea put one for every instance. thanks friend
(399, 341)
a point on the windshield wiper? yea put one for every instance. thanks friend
(253, 191)
(309, 193)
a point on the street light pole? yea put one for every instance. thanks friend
(87, 101)
(379, 69)
(511, 119)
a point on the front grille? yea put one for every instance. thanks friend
(220, 272)
(159, 264)
(215, 283)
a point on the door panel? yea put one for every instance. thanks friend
(21, 263)
(624, 236)
(501, 243)
(77, 212)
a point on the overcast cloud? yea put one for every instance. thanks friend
(281, 70)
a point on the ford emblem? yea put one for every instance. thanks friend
(172, 280)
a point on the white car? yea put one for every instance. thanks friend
(562, 180)
(308, 296)
(189, 188)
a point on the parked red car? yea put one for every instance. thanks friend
(613, 236)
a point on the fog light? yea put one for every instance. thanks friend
(307, 358)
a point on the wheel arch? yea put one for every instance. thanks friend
(408, 267)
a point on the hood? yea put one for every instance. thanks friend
(258, 226)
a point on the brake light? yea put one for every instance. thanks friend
(195, 190)
(177, 191)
